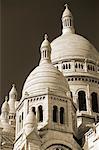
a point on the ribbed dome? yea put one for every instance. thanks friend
(72, 46)
(45, 77)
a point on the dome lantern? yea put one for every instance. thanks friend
(45, 50)
(67, 21)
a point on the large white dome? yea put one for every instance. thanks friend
(71, 45)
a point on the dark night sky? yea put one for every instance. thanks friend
(23, 24)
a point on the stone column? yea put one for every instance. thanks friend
(73, 65)
(75, 100)
(88, 100)
(86, 65)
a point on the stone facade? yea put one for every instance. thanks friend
(60, 98)
(92, 138)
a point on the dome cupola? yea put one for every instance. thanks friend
(67, 21)
(45, 50)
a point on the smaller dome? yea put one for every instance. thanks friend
(5, 106)
(13, 92)
(30, 122)
(30, 118)
(66, 12)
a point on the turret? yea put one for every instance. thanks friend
(12, 101)
(30, 122)
(5, 111)
(67, 21)
(5, 117)
(45, 50)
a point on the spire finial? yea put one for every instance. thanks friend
(66, 5)
(6, 98)
(13, 85)
(46, 36)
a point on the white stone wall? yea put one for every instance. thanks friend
(92, 138)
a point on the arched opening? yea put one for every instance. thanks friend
(71, 94)
(34, 111)
(55, 114)
(66, 66)
(76, 65)
(63, 66)
(94, 102)
(40, 112)
(45, 54)
(69, 66)
(82, 100)
(62, 115)
(79, 66)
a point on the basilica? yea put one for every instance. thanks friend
(59, 106)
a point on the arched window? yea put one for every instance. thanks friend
(76, 65)
(33, 109)
(62, 115)
(45, 54)
(63, 66)
(40, 113)
(81, 66)
(55, 114)
(82, 100)
(94, 102)
(69, 66)
(71, 94)
(66, 66)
